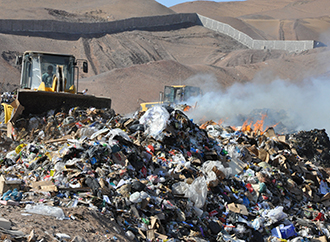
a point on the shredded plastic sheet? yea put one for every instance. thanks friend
(45, 210)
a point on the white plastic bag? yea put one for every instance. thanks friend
(213, 130)
(276, 214)
(155, 119)
(135, 197)
(179, 188)
(197, 192)
(208, 166)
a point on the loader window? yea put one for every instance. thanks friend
(36, 75)
(169, 94)
(192, 92)
(55, 61)
(26, 74)
(48, 76)
(179, 95)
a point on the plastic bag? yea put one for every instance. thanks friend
(213, 130)
(179, 188)
(276, 214)
(234, 152)
(178, 159)
(208, 166)
(135, 197)
(99, 132)
(86, 131)
(114, 132)
(33, 123)
(155, 120)
(197, 192)
(258, 223)
(45, 210)
(211, 179)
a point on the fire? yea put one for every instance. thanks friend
(187, 108)
(258, 126)
(204, 125)
(210, 122)
(247, 126)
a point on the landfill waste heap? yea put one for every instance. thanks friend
(161, 177)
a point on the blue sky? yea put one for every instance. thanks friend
(170, 3)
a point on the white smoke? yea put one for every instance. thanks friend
(307, 104)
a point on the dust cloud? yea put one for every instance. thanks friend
(303, 106)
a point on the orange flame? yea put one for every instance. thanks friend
(258, 126)
(187, 108)
(246, 127)
(207, 123)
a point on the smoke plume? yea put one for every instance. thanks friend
(302, 106)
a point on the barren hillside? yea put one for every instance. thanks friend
(82, 10)
(135, 65)
(282, 20)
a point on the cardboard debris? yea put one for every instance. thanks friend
(6, 185)
(46, 186)
(238, 208)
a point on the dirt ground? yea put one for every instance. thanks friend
(81, 221)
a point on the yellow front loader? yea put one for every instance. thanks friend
(174, 95)
(49, 81)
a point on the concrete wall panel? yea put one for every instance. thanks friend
(6, 25)
(147, 22)
(17, 25)
(258, 44)
(209, 23)
(47, 25)
(176, 19)
(38, 26)
(138, 22)
(280, 45)
(219, 28)
(203, 20)
(226, 29)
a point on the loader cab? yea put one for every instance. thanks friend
(180, 93)
(174, 94)
(35, 65)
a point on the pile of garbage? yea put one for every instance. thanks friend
(162, 177)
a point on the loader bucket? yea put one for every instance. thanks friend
(37, 102)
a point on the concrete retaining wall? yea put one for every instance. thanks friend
(53, 26)
(289, 45)
(150, 22)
